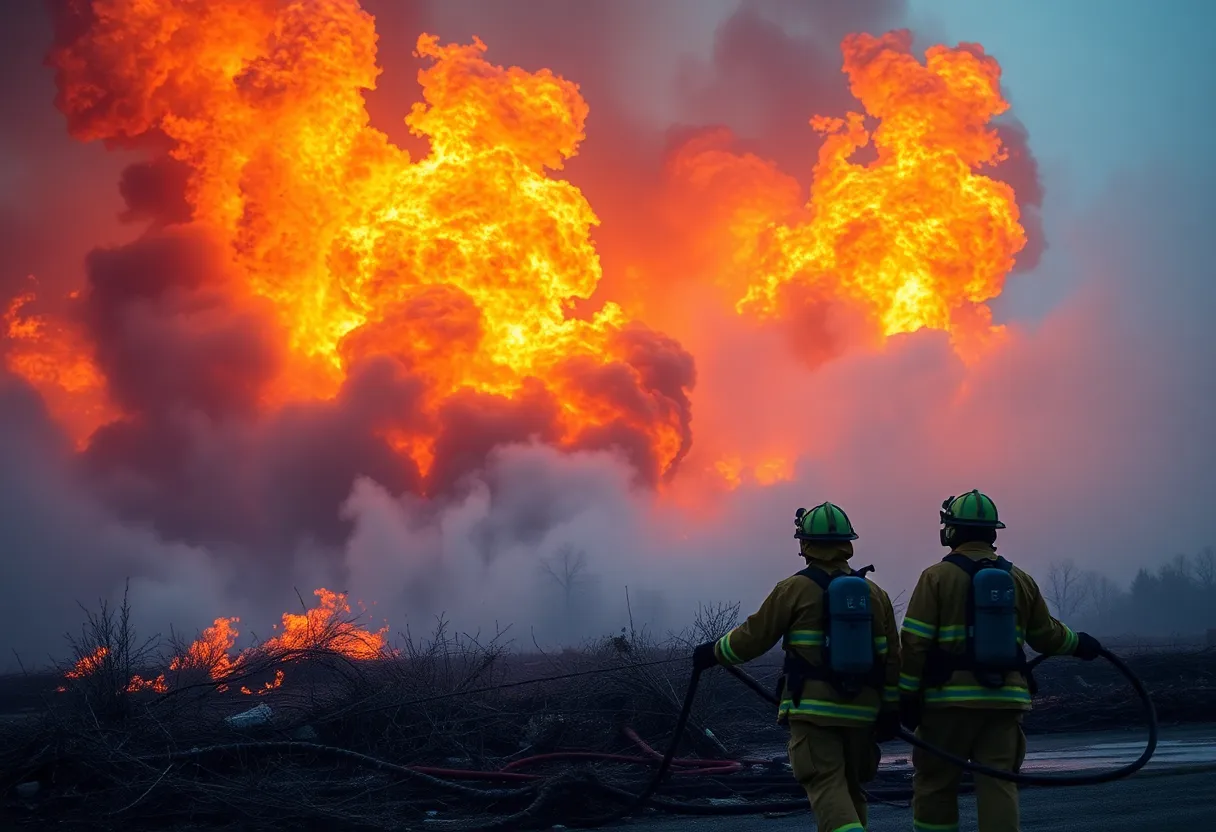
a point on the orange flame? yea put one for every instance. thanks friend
(266, 686)
(55, 359)
(210, 651)
(916, 238)
(87, 665)
(324, 627)
(138, 683)
(464, 264)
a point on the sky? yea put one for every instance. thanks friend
(1091, 426)
(1106, 89)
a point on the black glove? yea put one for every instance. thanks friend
(886, 728)
(703, 658)
(1088, 647)
(909, 712)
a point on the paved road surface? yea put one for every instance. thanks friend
(1176, 802)
(1160, 797)
(1181, 802)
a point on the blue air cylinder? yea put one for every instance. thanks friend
(995, 637)
(851, 625)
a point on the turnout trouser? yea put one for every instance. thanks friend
(991, 737)
(831, 764)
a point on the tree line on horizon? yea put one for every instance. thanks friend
(1176, 599)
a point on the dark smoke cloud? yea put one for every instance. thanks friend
(1021, 172)
(62, 546)
(776, 63)
(155, 191)
(167, 335)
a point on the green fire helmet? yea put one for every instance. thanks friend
(972, 509)
(824, 522)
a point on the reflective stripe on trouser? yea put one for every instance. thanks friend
(991, 737)
(831, 764)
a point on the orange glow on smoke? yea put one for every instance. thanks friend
(55, 359)
(734, 472)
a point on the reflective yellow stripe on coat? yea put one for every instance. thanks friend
(835, 710)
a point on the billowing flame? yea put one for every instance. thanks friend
(465, 265)
(916, 237)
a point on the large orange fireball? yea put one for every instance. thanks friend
(917, 236)
(463, 265)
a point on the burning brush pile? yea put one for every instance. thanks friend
(327, 725)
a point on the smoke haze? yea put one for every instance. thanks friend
(1089, 422)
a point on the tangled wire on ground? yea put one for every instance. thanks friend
(456, 732)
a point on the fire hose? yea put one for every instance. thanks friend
(1150, 715)
(1150, 712)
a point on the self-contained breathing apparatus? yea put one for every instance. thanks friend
(850, 660)
(992, 647)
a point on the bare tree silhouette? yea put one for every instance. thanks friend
(1205, 568)
(567, 569)
(1102, 593)
(1066, 588)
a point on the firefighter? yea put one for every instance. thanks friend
(841, 672)
(963, 684)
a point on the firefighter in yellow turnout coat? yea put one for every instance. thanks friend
(951, 695)
(832, 718)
